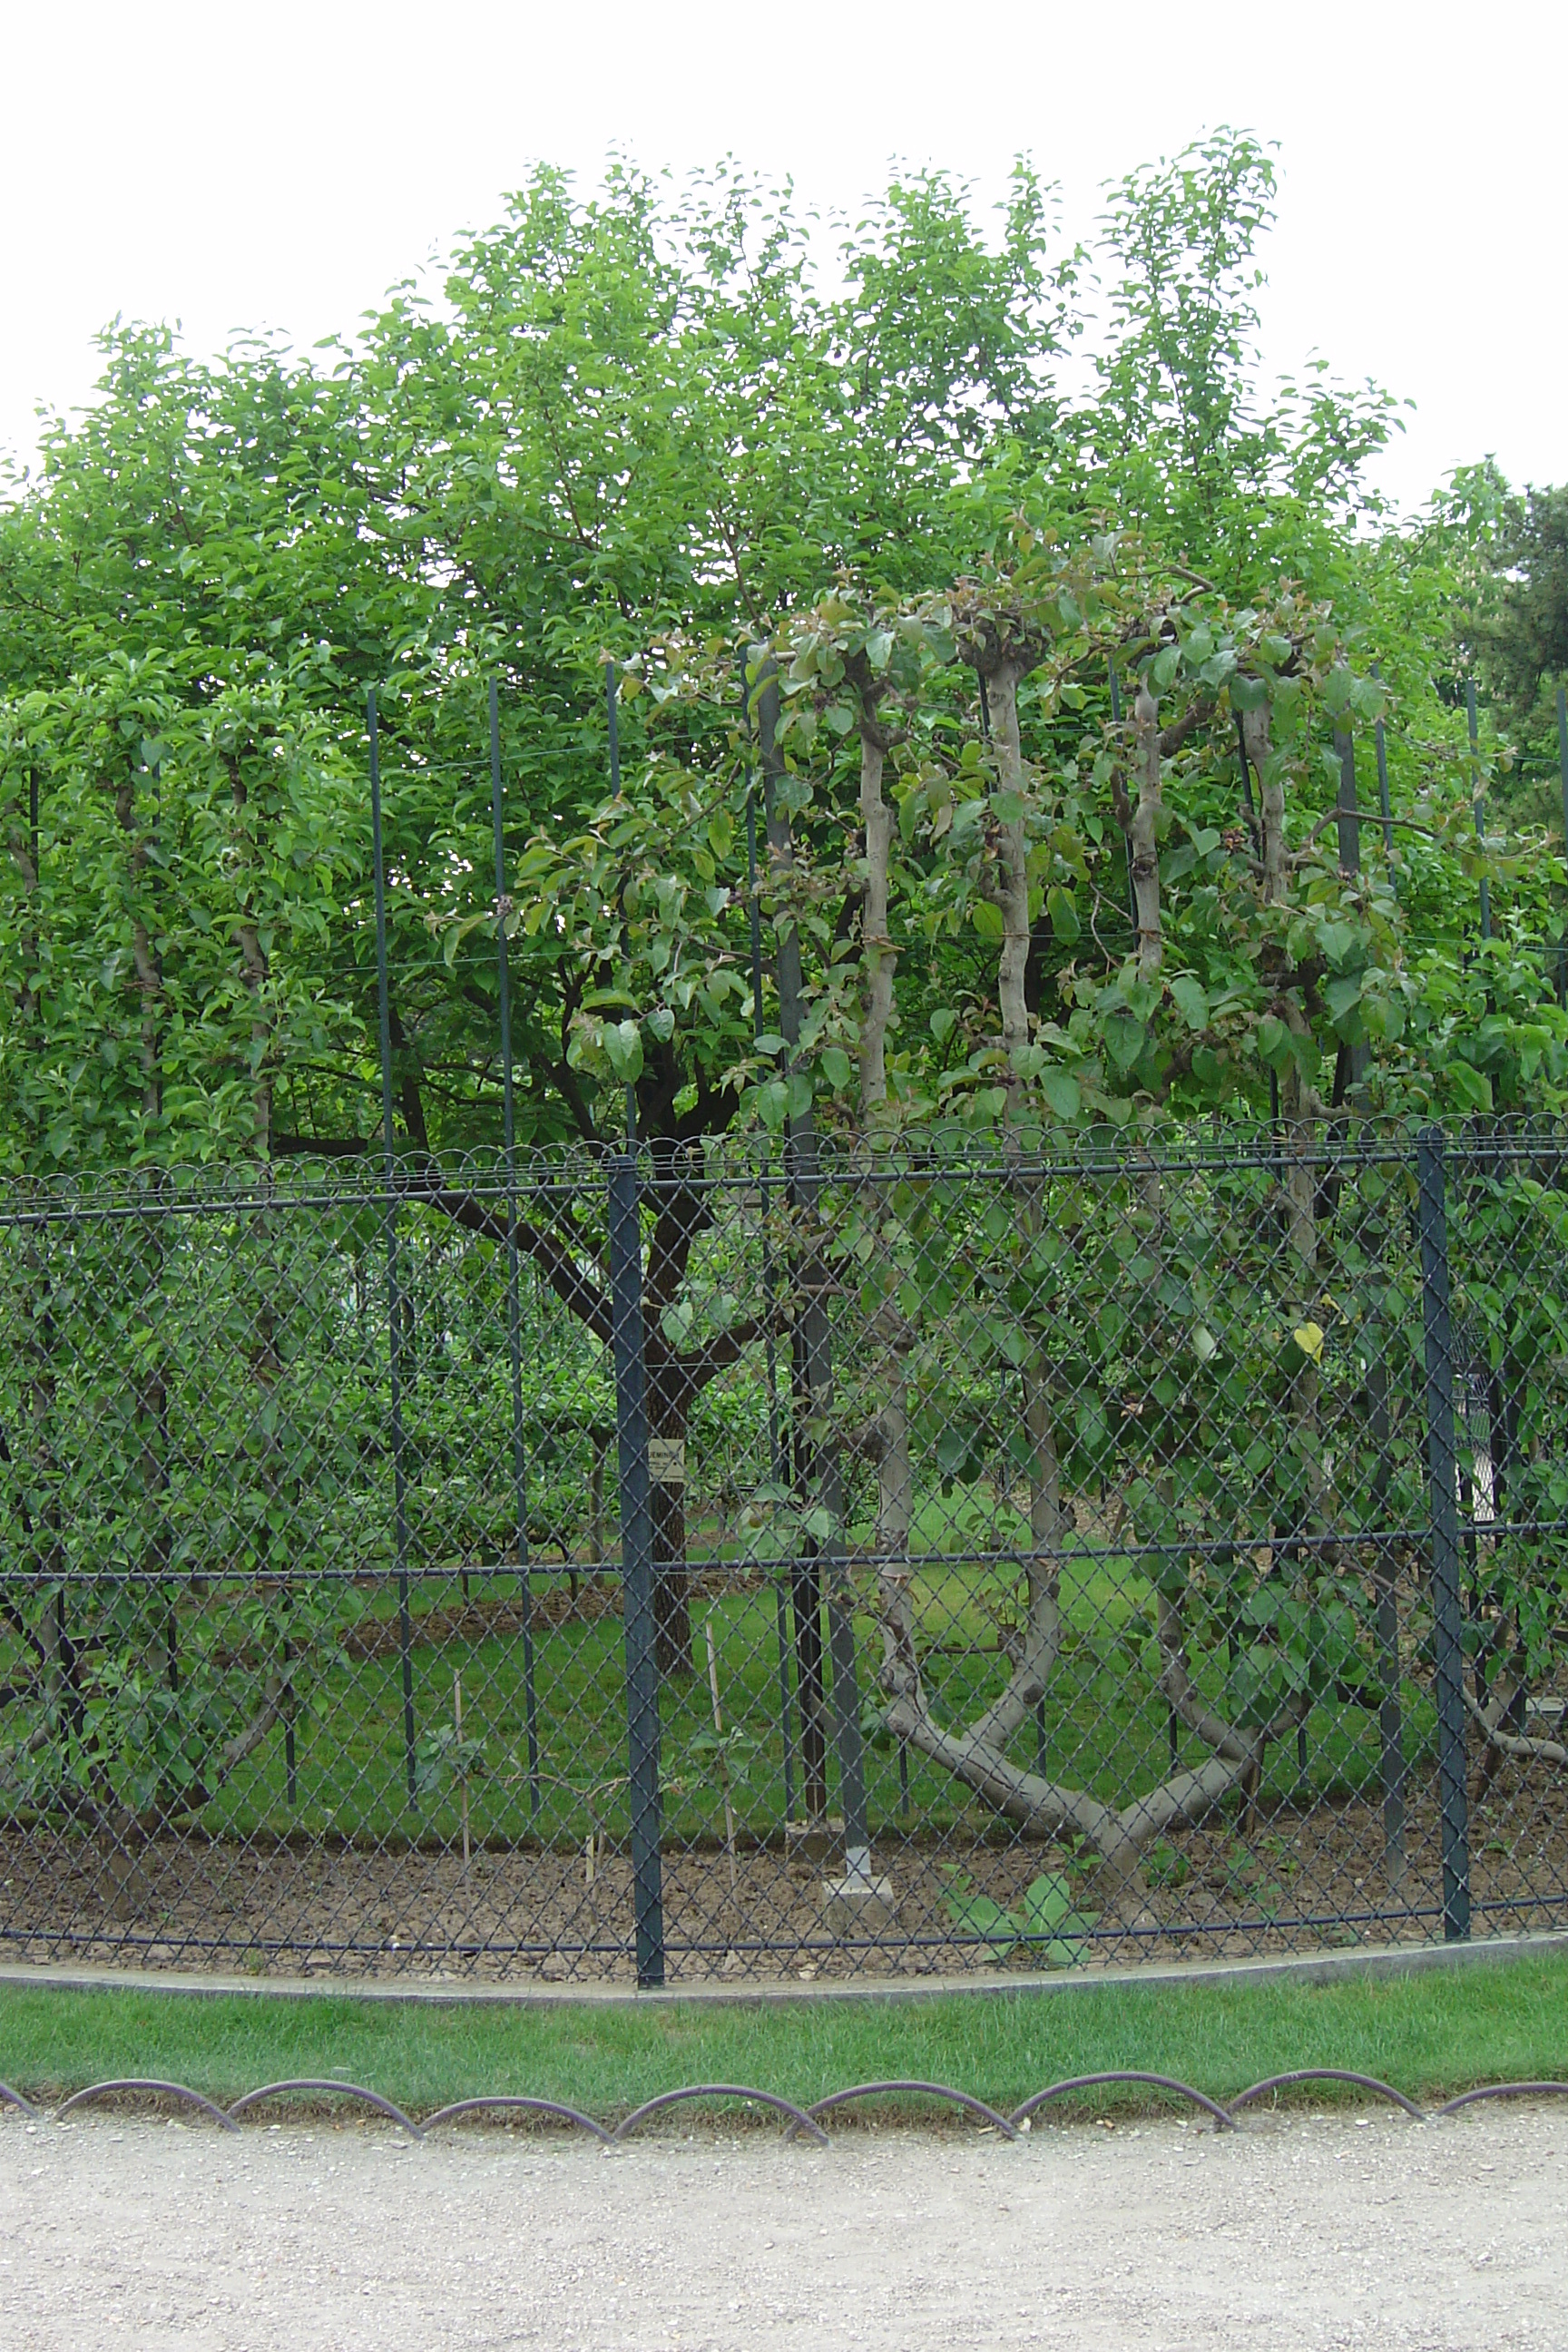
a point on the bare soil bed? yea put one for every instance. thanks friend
(1292, 1881)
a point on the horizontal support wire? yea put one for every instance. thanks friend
(1015, 1557)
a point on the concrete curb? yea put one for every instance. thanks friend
(1313, 1968)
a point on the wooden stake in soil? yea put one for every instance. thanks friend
(723, 1760)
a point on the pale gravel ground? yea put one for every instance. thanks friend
(1282, 2237)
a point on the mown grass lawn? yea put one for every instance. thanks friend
(1429, 2034)
(1101, 1725)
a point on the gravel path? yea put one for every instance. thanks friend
(1289, 2233)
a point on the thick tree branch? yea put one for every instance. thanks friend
(1520, 1745)
(1145, 839)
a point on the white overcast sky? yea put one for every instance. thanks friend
(280, 165)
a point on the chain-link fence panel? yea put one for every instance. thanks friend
(727, 1564)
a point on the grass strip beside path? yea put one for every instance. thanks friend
(1429, 2035)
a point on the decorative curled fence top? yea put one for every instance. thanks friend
(302, 1178)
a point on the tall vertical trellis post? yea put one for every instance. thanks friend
(1384, 805)
(393, 1272)
(826, 1572)
(1563, 772)
(1347, 818)
(638, 1602)
(636, 1565)
(805, 1573)
(1255, 827)
(1479, 805)
(514, 1284)
(1443, 1484)
(777, 1462)
(1127, 837)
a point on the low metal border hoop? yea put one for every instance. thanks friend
(144, 2082)
(516, 2104)
(800, 2118)
(1329, 2075)
(1503, 2091)
(346, 2089)
(1223, 2119)
(929, 2090)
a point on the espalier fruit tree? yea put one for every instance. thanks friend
(1062, 849)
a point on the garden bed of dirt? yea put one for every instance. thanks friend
(1296, 1880)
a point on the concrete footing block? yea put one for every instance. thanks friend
(858, 1903)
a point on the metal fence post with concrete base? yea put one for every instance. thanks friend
(1442, 1481)
(636, 1568)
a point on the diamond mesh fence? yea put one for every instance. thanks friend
(728, 1565)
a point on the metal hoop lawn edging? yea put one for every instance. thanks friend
(801, 2119)
(144, 2082)
(928, 2090)
(1223, 2119)
(1329, 2075)
(797, 2119)
(1502, 2091)
(532, 2106)
(346, 2089)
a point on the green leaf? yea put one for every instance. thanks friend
(772, 1103)
(987, 919)
(1473, 1086)
(977, 1914)
(1062, 1093)
(1123, 1038)
(675, 1322)
(837, 1068)
(1274, 1042)
(1047, 1903)
(623, 1048)
(1063, 911)
(1342, 997)
(1192, 1001)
